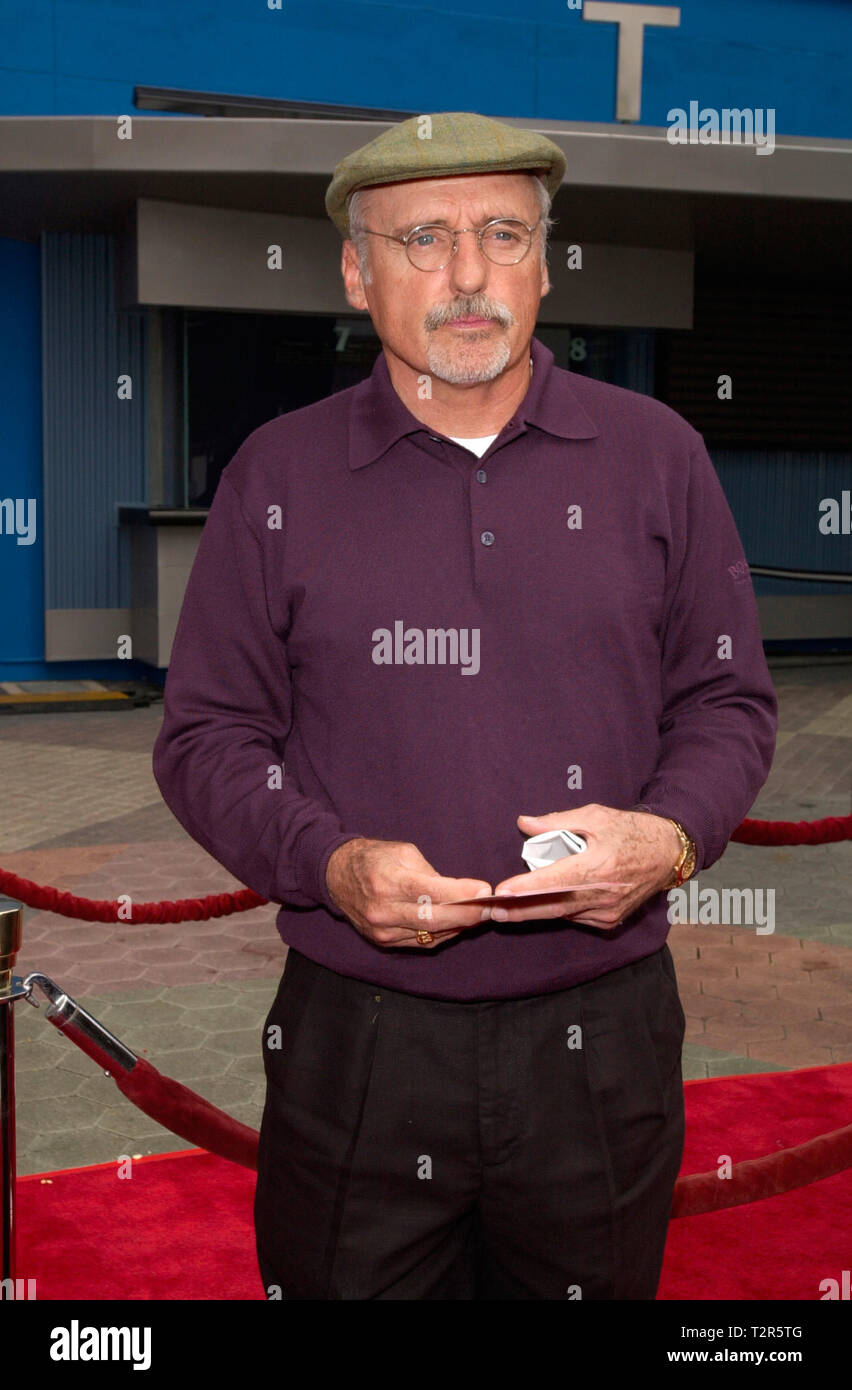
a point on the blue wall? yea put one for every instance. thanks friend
(21, 566)
(83, 57)
(775, 498)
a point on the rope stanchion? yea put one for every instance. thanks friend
(165, 1100)
(11, 989)
(191, 1117)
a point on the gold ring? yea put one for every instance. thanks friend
(424, 938)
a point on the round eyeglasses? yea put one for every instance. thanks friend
(505, 241)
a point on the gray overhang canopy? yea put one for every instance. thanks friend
(73, 173)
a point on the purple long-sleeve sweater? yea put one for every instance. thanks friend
(385, 636)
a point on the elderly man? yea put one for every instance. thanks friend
(468, 591)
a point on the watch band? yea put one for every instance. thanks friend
(685, 866)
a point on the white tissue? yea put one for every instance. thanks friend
(540, 851)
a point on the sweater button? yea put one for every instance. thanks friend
(481, 475)
(487, 538)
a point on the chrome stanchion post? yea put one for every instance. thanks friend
(11, 988)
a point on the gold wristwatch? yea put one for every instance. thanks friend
(685, 866)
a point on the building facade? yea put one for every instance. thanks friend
(169, 279)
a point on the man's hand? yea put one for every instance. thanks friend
(630, 847)
(377, 884)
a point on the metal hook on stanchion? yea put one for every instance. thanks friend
(79, 1025)
(11, 988)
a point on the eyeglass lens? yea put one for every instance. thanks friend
(504, 243)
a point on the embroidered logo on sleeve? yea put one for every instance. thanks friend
(739, 572)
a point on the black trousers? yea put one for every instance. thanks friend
(413, 1148)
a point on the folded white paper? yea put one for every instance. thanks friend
(540, 851)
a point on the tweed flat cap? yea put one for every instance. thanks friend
(432, 147)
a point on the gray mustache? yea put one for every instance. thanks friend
(475, 307)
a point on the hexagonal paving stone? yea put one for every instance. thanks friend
(269, 970)
(821, 1032)
(244, 1043)
(250, 931)
(193, 974)
(250, 1067)
(121, 971)
(740, 1066)
(225, 1020)
(159, 1042)
(139, 994)
(101, 951)
(156, 1013)
(721, 1011)
(201, 936)
(77, 1063)
(123, 1122)
(42, 951)
(255, 987)
(35, 1056)
(52, 1081)
(191, 1066)
(790, 1056)
(97, 1087)
(68, 1150)
(228, 959)
(229, 1092)
(173, 955)
(212, 996)
(271, 946)
(74, 935)
(71, 1113)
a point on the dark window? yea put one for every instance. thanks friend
(245, 369)
(788, 351)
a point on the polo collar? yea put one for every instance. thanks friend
(380, 418)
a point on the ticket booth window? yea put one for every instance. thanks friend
(240, 370)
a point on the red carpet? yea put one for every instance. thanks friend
(181, 1227)
(783, 1247)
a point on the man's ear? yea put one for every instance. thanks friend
(350, 269)
(545, 280)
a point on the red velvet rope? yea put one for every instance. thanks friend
(193, 1118)
(768, 1176)
(751, 832)
(794, 832)
(101, 910)
(180, 1110)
